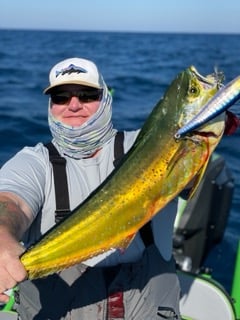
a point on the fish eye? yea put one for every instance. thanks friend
(193, 90)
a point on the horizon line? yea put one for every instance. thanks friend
(120, 31)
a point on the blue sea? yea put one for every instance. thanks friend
(139, 66)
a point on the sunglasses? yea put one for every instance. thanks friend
(64, 97)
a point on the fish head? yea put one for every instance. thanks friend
(184, 98)
(193, 92)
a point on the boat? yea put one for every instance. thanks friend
(199, 226)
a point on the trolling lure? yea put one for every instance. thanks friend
(223, 99)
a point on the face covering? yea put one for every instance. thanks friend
(83, 141)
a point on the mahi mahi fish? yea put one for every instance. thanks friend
(151, 174)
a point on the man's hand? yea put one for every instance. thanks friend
(12, 270)
(15, 218)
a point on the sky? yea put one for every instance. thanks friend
(204, 16)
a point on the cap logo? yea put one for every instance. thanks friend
(70, 69)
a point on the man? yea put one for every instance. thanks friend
(138, 284)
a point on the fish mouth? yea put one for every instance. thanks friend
(205, 134)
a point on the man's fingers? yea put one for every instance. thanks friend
(17, 271)
(4, 298)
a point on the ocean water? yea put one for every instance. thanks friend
(139, 66)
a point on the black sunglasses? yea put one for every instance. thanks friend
(64, 97)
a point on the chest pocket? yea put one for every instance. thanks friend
(61, 186)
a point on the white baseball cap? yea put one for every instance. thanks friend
(75, 71)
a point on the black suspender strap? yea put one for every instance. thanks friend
(60, 182)
(118, 148)
(61, 186)
(146, 234)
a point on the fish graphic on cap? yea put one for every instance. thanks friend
(70, 69)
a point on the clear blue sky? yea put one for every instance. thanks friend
(221, 16)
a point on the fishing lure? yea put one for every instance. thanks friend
(223, 99)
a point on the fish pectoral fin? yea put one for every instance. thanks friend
(198, 179)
